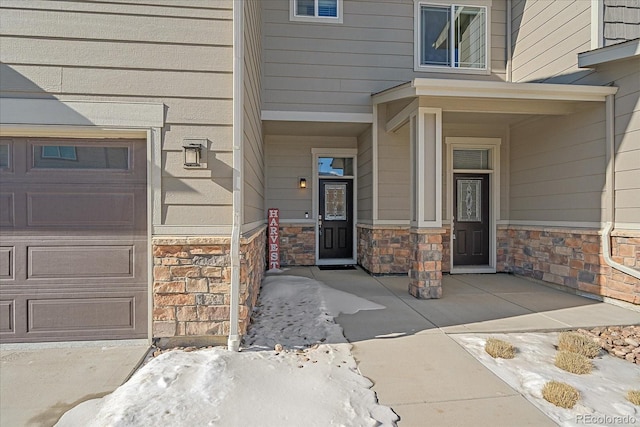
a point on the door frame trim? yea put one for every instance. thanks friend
(334, 152)
(493, 145)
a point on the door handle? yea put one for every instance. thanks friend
(320, 224)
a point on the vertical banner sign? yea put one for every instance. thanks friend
(274, 238)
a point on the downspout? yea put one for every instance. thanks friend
(233, 343)
(611, 195)
(509, 41)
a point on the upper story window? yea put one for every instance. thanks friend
(451, 37)
(316, 10)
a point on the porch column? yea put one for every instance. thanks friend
(425, 271)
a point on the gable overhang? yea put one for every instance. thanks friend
(470, 96)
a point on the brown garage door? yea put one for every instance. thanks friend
(73, 240)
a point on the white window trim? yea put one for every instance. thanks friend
(493, 145)
(316, 19)
(445, 69)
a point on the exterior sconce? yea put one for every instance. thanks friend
(303, 182)
(193, 152)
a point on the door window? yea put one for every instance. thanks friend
(335, 202)
(469, 200)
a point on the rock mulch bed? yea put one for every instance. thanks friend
(619, 341)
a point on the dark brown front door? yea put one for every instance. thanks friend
(336, 219)
(471, 219)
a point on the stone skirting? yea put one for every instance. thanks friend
(571, 258)
(192, 280)
(425, 274)
(297, 244)
(383, 249)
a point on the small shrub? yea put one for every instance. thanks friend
(573, 362)
(498, 348)
(633, 396)
(560, 394)
(575, 342)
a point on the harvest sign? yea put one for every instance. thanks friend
(274, 238)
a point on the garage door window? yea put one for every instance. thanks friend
(79, 157)
(4, 156)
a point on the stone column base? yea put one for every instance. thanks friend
(425, 274)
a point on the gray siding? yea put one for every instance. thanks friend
(336, 67)
(148, 52)
(394, 172)
(287, 159)
(558, 168)
(547, 35)
(621, 21)
(253, 145)
(365, 177)
(626, 76)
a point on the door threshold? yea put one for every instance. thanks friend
(472, 269)
(336, 261)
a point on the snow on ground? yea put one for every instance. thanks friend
(313, 381)
(602, 392)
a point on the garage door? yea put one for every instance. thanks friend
(73, 240)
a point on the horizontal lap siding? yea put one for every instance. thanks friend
(547, 36)
(287, 159)
(336, 67)
(253, 174)
(557, 168)
(174, 52)
(365, 176)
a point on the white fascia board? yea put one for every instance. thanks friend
(316, 116)
(507, 90)
(27, 111)
(617, 52)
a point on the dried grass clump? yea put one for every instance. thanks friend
(575, 342)
(633, 396)
(560, 394)
(498, 348)
(573, 362)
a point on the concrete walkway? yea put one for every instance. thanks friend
(422, 373)
(40, 382)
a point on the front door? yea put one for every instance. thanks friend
(335, 219)
(471, 219)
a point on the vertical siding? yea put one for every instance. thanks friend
(336, 67)
(162, 52)
(287, 159)
(253, 144)
(365, 176)
(547, 35)
(558, 168)
(621, 21)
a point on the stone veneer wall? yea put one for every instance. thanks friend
(384, 249)
(297, 244)
(425, 274)
(571, 258)
(253, 264)
(191, 284)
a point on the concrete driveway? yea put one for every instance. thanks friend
(40, 382)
